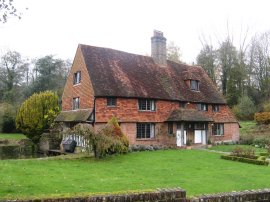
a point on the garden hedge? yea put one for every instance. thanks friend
(245, 160)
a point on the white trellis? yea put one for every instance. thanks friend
(81, 141)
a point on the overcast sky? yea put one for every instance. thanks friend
(58, 26)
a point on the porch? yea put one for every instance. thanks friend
(191, 127)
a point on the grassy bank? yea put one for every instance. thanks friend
(196, 171)
(12, 136)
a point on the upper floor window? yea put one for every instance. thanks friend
(203, 107)
(218, 129)
(111, 101)
(215, 108)
(77, 77)
(194, 85)
(76, 103)
(147, 105)
(145, 130)
(183, 105)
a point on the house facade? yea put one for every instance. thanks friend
(156, 101)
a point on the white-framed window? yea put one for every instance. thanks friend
(77, 77)
(215, 108)
(218, 129)
(145, 130)
(111, 102)
(202, 107)
(147, 105)
(194, 85)
(76, 103)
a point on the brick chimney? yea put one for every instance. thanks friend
(158, 48)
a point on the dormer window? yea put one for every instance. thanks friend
(215, 108)
(77, 78)
(194, 85)
(147, 105)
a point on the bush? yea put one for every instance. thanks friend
(36, 114)
(245, 109)
(266, 106)
(262, 117)
(108, 140)
(245, 160)
(244, 152)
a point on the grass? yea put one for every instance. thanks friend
(247, 126)
(196, 171)
(229, 148)
(12, 136)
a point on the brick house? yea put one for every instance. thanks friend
(156, 101)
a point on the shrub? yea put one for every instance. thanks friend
(245, 160)
(36, 114)
(266, 106)
(108, 140)
(244, 152)
(245, 108)
(262, 117)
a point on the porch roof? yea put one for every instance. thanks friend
(81, 115)
(188, 115)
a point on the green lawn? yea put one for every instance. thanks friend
(229, 148)
(12, 136)
(196, 171)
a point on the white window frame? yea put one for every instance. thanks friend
(145, 130)
(77, 78)
(75, 103)
(146, 105)
(218, 129)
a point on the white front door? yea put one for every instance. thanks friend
(200, 136)
(181, 140)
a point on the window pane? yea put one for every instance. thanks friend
(148, 130)
(111, 101)
(170, 128)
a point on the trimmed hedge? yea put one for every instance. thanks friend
(262, 117)
(245, 160)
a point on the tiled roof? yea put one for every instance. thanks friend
(82, 115)
(188, 115)
(121, 74)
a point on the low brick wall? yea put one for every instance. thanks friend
(167, 195)
(248, 196)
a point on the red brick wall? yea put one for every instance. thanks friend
(84, 90)
(127, 111)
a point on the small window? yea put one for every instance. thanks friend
(215, 108)
(147, 105)
(77, 78)
(218, 129)
(203, 107)
(170, 128)
(111, 102)
(76, 103)
(183, 105)
(145, 130)
(194, 85)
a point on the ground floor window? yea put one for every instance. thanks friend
(218, 129)
(170, 128)
(145, 130)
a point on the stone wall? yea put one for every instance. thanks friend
(167, 195)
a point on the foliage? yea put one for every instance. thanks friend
(245, 160)
(173, 52)
(7, 9)
(137, 171)
(248, 152)
(245, 109)
(230, 148)
(207, 59)
(266, 106)
(7, 118)
(37, 113)
(262, 117)
(108, 140)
